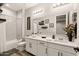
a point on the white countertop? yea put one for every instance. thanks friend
(56, 41)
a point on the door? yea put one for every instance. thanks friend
(19, 28)
(2, 37)
(67, 54)
(11, 29)
(31, 46)
(28, 45)
(52, 52)
(42, 50)
(34, 46)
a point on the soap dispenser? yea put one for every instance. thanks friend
(53, 36)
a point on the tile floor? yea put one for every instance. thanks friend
(15, 52)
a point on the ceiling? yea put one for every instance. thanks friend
(18, 6)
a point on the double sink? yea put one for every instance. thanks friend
(57, 39)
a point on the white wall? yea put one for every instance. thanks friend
(19, 24)
(20, 14)
(2, 36)
(8, 12)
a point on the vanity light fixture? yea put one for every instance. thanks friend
(38, 12)
(58, 4)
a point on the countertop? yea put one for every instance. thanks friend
(55, 41)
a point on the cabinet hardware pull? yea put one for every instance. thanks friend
(61, 54)
(30, 45)
(58, 53)
(46, 50)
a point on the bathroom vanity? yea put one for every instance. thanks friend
(49, 47)
(56, 22)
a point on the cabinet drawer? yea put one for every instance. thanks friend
(42, 43)
(61, 47)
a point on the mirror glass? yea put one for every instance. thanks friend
(60, 24)
(28, 23)
(74, 19)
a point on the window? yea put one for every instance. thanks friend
(28, 23)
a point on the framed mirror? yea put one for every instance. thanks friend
(28, 23)
(74, 19)
(60, 24)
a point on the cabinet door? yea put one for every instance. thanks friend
(42, 50)
(52, 52)
(33, 47)
(28, 45)
(67, 54)
(11, 29)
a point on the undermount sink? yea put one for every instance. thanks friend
(49, 40)
(43, 37)
(57, 40)
(61, 41)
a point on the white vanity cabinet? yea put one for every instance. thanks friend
(64, 53)
(60, 50)
(42, 48)
(28, 48)
(56, 52)
(52, 52)
(31, 46)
